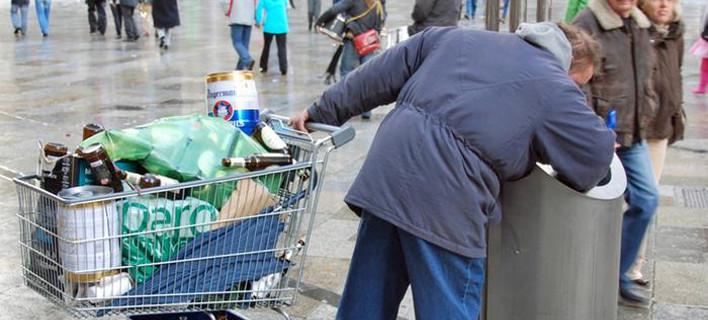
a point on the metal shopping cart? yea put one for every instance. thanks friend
(196, 248)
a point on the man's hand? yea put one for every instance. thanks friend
(298, 121)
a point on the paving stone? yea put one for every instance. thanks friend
(681, 283)
(333, 239)
(680, 244)
(682, 217)
(680, 312)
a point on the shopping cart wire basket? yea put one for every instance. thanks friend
(233, 242)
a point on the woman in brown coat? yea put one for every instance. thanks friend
(668, 125)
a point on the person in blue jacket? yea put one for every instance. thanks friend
(272, 15)
(467, 119)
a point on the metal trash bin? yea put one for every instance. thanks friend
(555, 254)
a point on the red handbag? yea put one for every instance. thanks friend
(367, 42)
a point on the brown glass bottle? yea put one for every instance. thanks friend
(267, 137)
(56, 168)
(147, 180)
(91, 129)
(101, 166)
(258, 161)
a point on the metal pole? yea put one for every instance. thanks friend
(492, 20)
(514, 15)
(541, 10)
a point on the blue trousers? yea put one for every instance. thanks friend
(43, 7)
(471, 8)
(387, 260)
(351, 60)
(19, 17)
(241, 38)
(642, 199)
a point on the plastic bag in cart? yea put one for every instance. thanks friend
(185, 148)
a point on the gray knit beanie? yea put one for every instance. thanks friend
(550, 37)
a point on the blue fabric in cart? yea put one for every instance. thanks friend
(209, 272)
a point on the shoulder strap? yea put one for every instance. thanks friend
(376, 5)
(231, 6)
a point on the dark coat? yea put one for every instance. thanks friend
(353, 8)
(466, 119)
(129, 3)
(20, 2)
(625, 81)
(428, 13)
(165, 13)
(669, 122)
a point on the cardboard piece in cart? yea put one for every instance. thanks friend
(248, 199)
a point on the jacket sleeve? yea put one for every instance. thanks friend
(573, 140)
(422, 9)
(333, 11)
(376, 82)
(259, 12)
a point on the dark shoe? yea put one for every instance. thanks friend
(162, 42)
(633, 296)
(251, 64)
(118, 37)
(283, 73)
(263, 70)
(44, 35)
(17, 31)
(165, 47)
(366, 115)
(642, 283)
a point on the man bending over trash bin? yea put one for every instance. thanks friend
(473, 109)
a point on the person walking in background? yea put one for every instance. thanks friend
(165, 14)
(427, 13)
(97, 16)
(272, 15)
(18, 13)
(700, 49)
(470, 9)
(127, 8)
(241, 16)
(623, 32)
(313, 12)
(117, 16)
(505, 10)
(668, 125)
(364, 15)
(43, 7)
(574, 7)
(144, 16)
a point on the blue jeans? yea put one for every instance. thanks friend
(351, 60)
(642, 199)
(387, 259)
(42, 7)
(471, 8)
(240, 38)
(19, 17)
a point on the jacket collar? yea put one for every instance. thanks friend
(609, 20)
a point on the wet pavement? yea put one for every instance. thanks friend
(50, 88)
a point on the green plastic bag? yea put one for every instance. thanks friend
(160, 227)
(185, 148)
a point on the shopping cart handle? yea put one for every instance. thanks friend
(339, 135)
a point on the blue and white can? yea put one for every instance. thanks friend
(233, 97)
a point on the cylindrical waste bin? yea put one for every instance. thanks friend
(555, 254)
